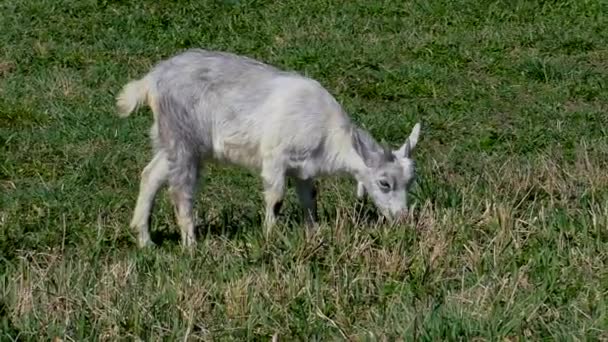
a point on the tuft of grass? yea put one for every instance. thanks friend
(508, 235)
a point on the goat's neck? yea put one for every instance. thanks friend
(345, 159)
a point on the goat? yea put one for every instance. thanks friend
(211, 105)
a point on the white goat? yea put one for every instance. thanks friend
(215, 105)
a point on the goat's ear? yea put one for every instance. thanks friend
(405, 151)
(366, 147)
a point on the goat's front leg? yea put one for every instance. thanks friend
(307, 193)
(274, 188)
(360, 190)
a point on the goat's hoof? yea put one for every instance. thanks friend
(146, 243)
(312, 229)
(189, 243)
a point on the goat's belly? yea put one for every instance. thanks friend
(303, 169)
(242, 155)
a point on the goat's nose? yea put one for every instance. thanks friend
(401, 216)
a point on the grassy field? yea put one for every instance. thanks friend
(509, 233)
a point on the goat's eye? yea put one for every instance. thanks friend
(384, 185)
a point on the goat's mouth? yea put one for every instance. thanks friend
(395, 218)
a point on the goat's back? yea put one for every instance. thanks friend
(241, 110)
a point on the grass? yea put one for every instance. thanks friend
(509, 233)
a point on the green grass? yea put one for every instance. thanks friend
(509, 233)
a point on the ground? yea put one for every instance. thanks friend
(508, 234)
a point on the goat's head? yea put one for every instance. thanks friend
(388, 175)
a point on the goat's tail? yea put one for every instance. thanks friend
(132, 95)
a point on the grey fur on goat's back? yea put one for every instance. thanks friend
(225, 107)
(206, 99)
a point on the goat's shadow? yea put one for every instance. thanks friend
(165, 236)
(230, 222)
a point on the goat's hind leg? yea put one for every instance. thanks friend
(183, 176)
(153, 177)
